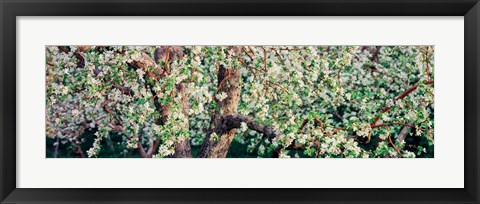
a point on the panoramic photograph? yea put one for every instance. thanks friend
(250, 101)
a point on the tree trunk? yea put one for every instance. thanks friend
(228, 80)
(183, 148)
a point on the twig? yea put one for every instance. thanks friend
(248, 54)
(249, 67)
(319, 121)
(338, 115)
(271, 82)
(391, 143)
(167, 56)
(338, 75)
(192, 72)
(400, 97)
(388, 124)
(279, 57)
(303, 126)
(264, 59)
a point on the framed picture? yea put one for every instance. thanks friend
(239, 101)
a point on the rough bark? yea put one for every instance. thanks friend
(183, 148)
(236, 120)
(403, 133)
(228, 82)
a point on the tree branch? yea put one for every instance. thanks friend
(228, 122)
(400, 97)
(140, 147)
(143, 62)
(391, 142)
(403, 133)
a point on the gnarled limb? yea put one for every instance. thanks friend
(229, 122)
(228, 83)
(153, 71)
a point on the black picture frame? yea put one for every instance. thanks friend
(10, 9)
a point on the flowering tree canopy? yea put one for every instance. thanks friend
(240, 101)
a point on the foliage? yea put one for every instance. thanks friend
(326, 101)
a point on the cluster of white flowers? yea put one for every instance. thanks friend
(93, 151)
(166, 149)
(221, 96)
(320, 97)
(243, 126)
(364, 129)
